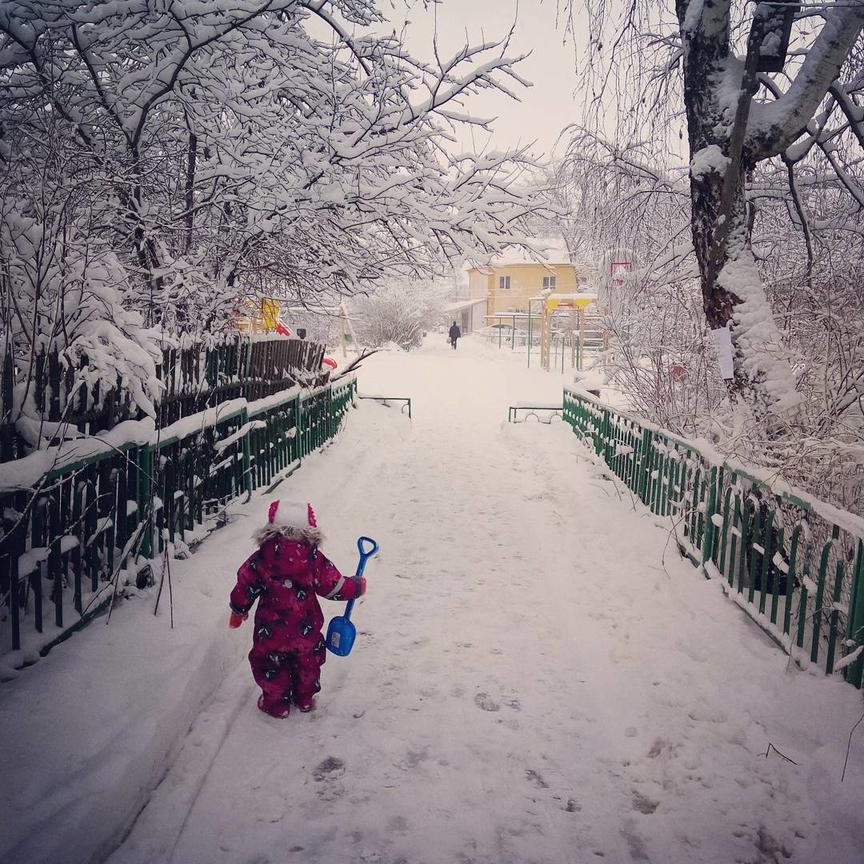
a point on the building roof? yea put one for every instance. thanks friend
(551, 252)
(459, 305)
(567, 298)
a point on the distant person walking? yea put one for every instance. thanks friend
(454, 333)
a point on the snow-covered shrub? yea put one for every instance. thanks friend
(67, 300)
(398, 313)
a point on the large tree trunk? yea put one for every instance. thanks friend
(732, 295)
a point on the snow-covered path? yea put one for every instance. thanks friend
(531, 683)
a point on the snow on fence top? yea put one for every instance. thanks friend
(78, 516)
(713, 458)
(61, 397)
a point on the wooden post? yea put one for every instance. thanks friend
(581, 339)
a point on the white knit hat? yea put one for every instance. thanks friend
(292, 513)
(290, 519)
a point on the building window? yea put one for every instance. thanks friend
(548, 282)
(503, 283)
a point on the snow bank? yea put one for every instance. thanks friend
(105, 713)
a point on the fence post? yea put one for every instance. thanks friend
(247, 456)
(855, 631)
(710, 510)
(146, 492)
(645, 465)
(14, 599)
(604, 436)
(820, 593)
(301, 435)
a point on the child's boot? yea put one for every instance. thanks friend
(306, 706)
(280, 710)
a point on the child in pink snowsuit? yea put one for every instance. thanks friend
(286, 575)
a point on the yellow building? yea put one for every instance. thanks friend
(509, 285)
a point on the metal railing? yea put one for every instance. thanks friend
(385, 400)
(541, 413)
(794, 563)
(92, 523)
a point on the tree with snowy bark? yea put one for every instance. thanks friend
(745, 100)
(623, 203)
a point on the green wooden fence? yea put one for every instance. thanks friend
(196, 374)
(96, 522)
(795, 564)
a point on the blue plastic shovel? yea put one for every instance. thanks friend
(341, 633)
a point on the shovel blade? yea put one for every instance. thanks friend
(340, 636)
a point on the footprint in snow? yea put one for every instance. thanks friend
(643, 804)
(412, 759)
(536, 778)
(329, 769)
(327, 774)
(485, 702)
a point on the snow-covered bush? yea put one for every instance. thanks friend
(398, 313)
(67, 300)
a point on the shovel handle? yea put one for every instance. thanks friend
(367, 548)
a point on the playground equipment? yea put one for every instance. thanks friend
(261, 316)
(272, 315)
(574, 304)
(348, 337)
(566, 327)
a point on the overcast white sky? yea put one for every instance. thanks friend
(547, 106)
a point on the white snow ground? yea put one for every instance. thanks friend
(531, 682)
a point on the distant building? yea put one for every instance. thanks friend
(509, 282)
(468, 314)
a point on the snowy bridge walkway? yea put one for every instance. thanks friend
(530, 684)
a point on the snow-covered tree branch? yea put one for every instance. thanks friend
(214, 152)
(745, 100)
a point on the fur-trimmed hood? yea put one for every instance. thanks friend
(309, 535)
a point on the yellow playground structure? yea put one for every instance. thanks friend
(575, 304)
(269, 315)
(560, 324)
(258, 316)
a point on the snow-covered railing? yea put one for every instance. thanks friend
(57, 394)
(81, 520)
(541, 413)
(793, 562)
